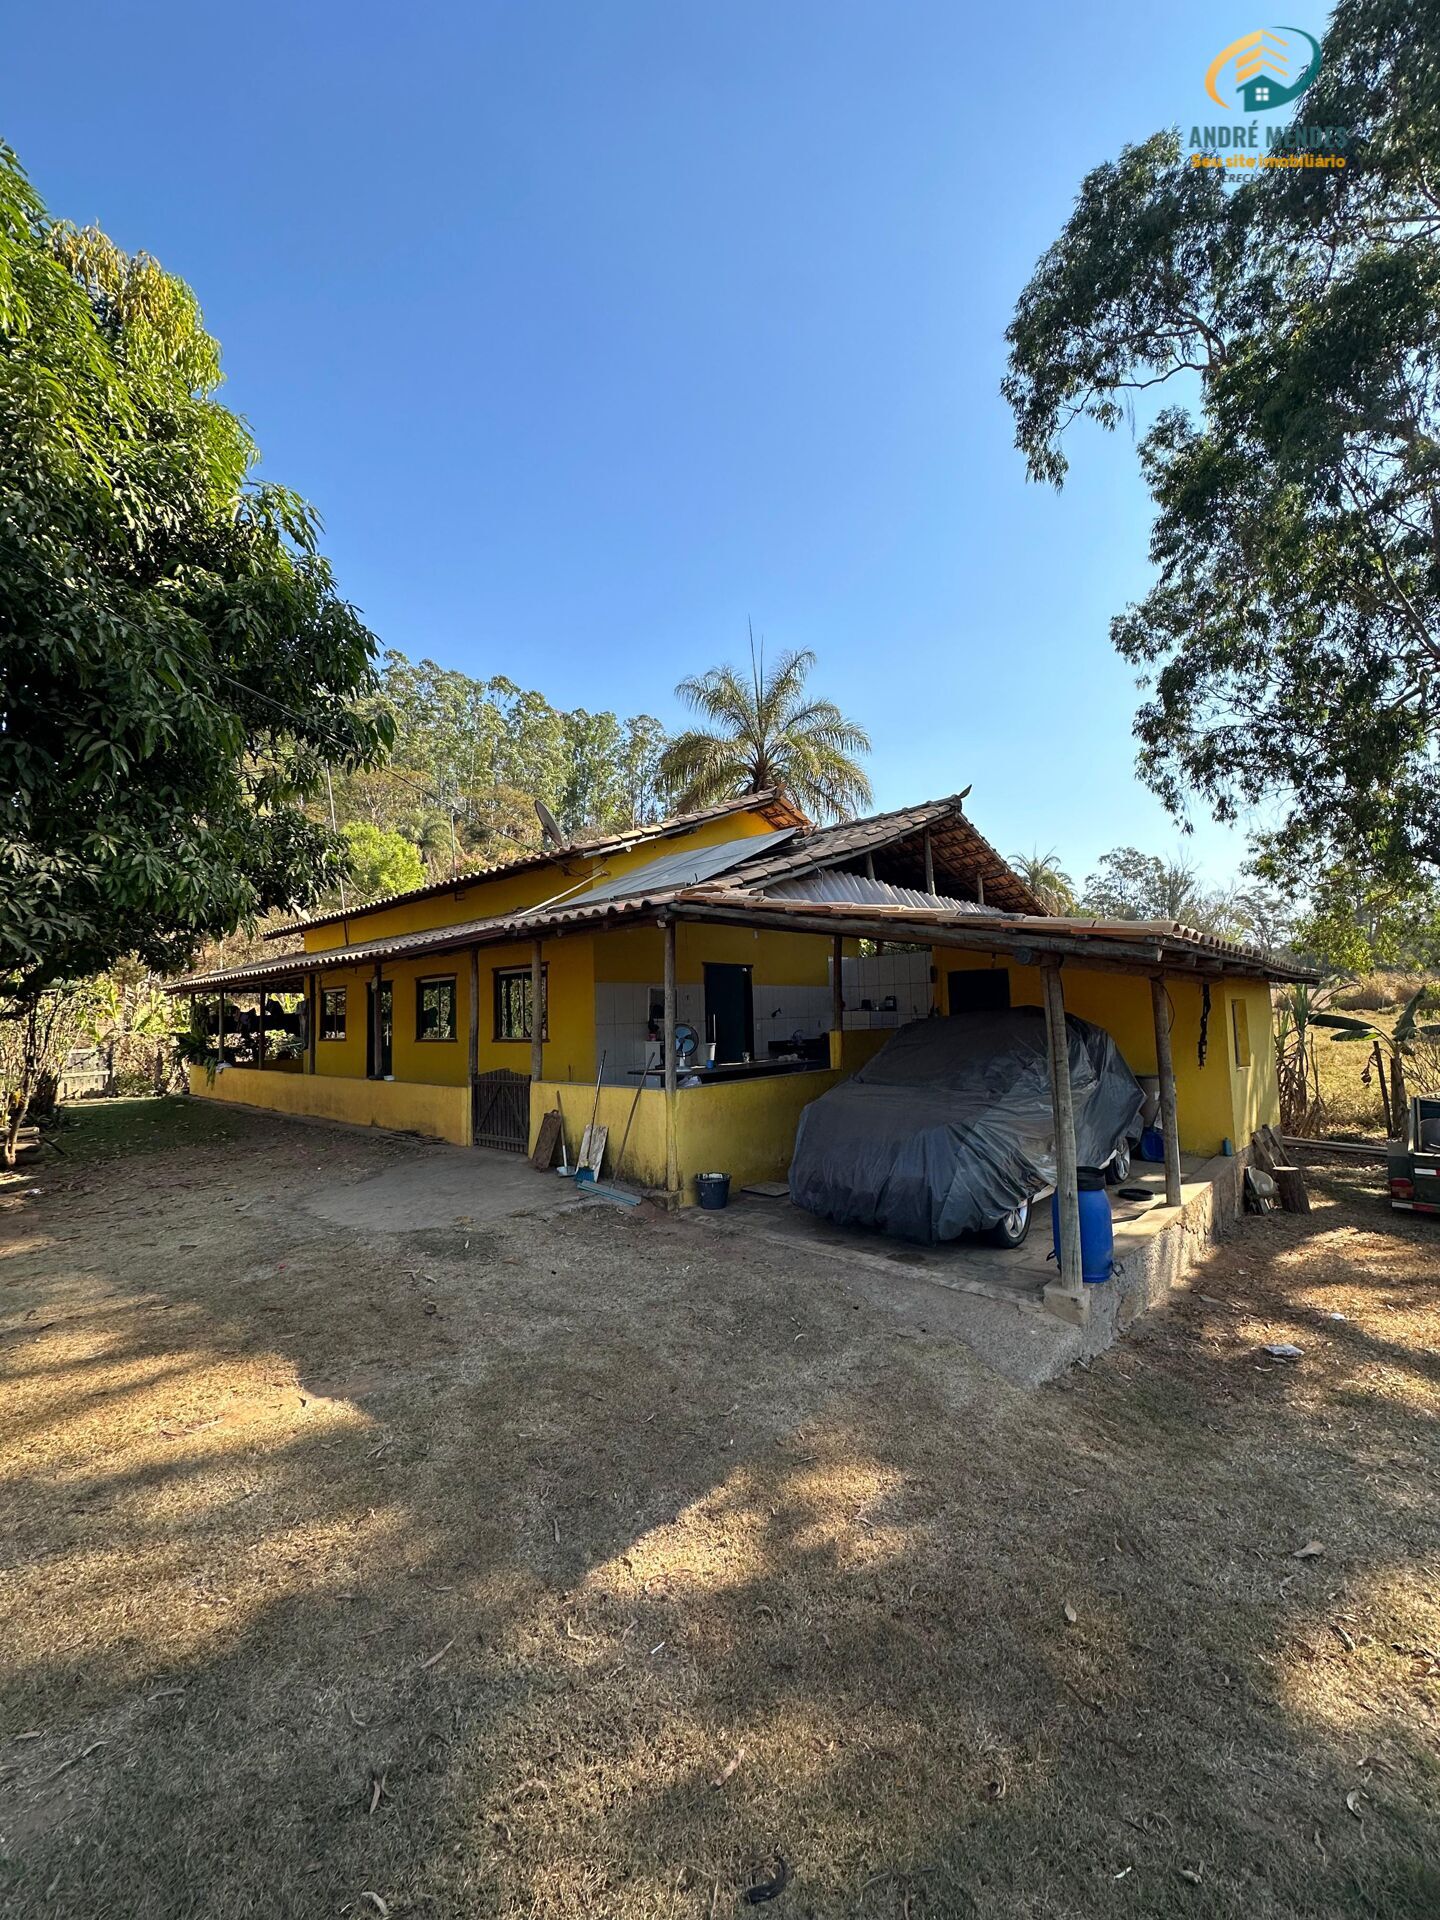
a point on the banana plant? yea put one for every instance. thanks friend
(1396, 1046)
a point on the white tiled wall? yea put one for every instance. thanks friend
(878, 977)
(622, 1009)
(622, 1012)
(782, 1012)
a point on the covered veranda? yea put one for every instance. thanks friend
(1146, 954)
(1134, 978)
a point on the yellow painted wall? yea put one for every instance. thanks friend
(570, 991)
(637, 953)
(745, 1128)
(440, 1113)
(569, 1052)
(645, 1148)
(1215, 1102)
(428, 1062)
(851, 1049)
(1255, 1089)
(485, 897)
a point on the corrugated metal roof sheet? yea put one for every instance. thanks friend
(684, 869)
(858, 889)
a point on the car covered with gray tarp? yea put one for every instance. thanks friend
(949, 1129)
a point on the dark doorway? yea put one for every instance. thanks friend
(974, 991)
(729, 1011)
(387, 1030)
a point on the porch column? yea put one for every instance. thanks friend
(312, 1002)
(220, 1028)
(837, 986)
(980, 888)
(473, 1045)
(672, 1164)
(260, 1030)
(1165, 1067)
(537, 1014)
(1065, 1297)
(377, 1028)
(929, 862)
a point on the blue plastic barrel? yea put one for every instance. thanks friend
(1097, 1230)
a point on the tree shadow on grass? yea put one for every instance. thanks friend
(470, 1608)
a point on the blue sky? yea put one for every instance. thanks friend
(593, 331)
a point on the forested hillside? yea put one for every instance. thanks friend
(471, 758)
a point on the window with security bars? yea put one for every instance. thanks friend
(435, 1008)
(512, 1003)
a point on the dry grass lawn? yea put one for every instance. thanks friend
(570, 1567)
(1352, 1109)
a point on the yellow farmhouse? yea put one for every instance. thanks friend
(714, 973)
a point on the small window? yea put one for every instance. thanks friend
(435, 1009)
(1240, 1027)
(512, 1003)
(332, 1013)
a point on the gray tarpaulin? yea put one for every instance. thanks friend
(950, 1125)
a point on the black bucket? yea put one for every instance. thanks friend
(712, 1190)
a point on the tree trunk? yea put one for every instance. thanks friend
(14, 1121)
(1290, 1185)
(1399, 1092)
(1384, 1092)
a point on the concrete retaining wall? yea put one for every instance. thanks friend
(1156, 1251)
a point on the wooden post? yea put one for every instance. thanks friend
(314, 1002)
(672, 1164)
(929, 863)
(260, 1031)
(869, 866)
(1067, 1297)
(837, 991)
(1165, 1067)
(220, 1029)
(537, 1015)
(377, 1029)
(473, 1047)
(980, 888)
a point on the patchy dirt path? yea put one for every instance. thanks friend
(446, 1572)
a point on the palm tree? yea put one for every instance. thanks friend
(1046, 879)
(764, 732)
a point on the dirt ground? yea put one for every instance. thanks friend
(566, 1564)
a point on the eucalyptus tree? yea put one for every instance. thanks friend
(1291, 640)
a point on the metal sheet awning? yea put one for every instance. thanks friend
(686, 869)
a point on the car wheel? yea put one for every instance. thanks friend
(1119, 1167)
(1011, 1228)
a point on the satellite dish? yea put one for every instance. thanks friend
(550, 826)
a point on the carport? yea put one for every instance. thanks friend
(1157, 953)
